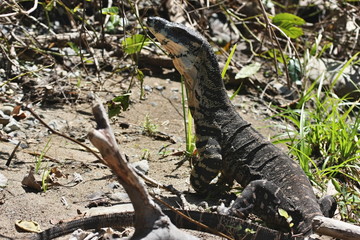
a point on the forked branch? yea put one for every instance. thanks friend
(150, 221)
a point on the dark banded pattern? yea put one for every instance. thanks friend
(231, 226)
(228, 144)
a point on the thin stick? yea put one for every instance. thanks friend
(192, 220)
(62, 135)
(12, 154)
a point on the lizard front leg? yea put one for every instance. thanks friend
(264, 199)
(208, 166)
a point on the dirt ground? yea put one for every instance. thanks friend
(162, 107)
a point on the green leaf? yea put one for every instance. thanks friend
(118, 104)
(336, 185)
(140, 75)
(248, 70)
(287, 22)
(287, 18)
(292, 32)
(134, 43)
(283, 213)
(110, 11)
(294, 70)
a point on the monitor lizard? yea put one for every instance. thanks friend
(231, 226)
(230, 146)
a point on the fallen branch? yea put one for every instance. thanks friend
(150, 222)
(20, 10)
(335, 228)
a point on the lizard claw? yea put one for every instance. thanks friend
(232, 211)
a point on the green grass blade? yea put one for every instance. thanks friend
(343, 69)
(228, 60)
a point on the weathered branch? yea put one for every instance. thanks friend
(20, 10)
(335, 228)
(150, 221)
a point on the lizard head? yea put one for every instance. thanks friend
(192, 56)
(184, 46)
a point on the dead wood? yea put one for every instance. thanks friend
(150, 221)
(335, 228)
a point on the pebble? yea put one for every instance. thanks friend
(114, 185)
(91, 96)
(156, 191)
(13, 125)
(18, 134)
(3, 181)
(4, 119)
(29, 123)
(142, 166)
(119, 196)
(7, 109)
(160, 88)
(282, 89)
(347, 83)
(148, 88)
(57, 125)
(77, 177)
(53, 124)
(9, 92)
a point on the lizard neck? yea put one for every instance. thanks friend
(194, 58)
(207, 97)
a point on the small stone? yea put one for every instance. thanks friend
(77, 177)
(9, 92)
(3, 181)
(142, 166)
(160, 88)
(156, 191)
(90, 96)
(4, 119)
(53, 124)
(13, 125)
(7, 109)
(114, 185)
(94, 196)
(28, 124)
(18, 134)
(57, 125)
(118, 196)
(148, 88)
(282, 89)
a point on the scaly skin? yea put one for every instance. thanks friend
(233, 227)
(229, 145)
